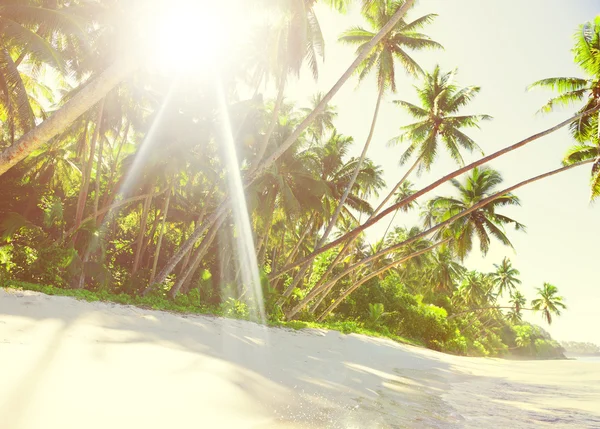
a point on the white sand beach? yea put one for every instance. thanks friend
(71, 364)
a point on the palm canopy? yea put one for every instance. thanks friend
(576, 89)
(483, 222)
(586, 90)
(30, 35)
(439, 121)
(583, 152)
(549, 302)
(505, 277)
(475, 289)
(403, 37)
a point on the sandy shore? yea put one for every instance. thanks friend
(70, 364)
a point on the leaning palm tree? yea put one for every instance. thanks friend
(587, 90)
(548, 302)
(483, 222)
(505, 277)
(439, 123)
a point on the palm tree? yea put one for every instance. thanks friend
(572, 90)
(483, 222)
(517, 299)
(505, 277)
(444, 272)
(548, 302)
(295, 39)
(438, 123)
(475, 289)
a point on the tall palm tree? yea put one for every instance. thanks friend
(439, 122)
(549, 302)
(505, 277)
(584, 130)
(483, 222)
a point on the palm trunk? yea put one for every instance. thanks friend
(425, 190)
(454, 218)
(191, 241)
(361, 160)
(267, 162)
(98, 176)
(340, 206)
(113, 167)
(373, 274)
(200, 252)
(261, 246)
(146, 243)
(87, 172)
(140, 238)
(160, 236)
(89, 95)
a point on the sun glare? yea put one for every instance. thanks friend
(188, 35)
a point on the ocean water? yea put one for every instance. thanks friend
(588, 358)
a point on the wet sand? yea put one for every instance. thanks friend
(71, 364)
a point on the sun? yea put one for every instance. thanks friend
(188, 35)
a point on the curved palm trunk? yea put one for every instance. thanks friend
(427, 189)
(140, 239)
(267, 162)
(373, 274)
(91, 94)
(340, 206)
(160, 237)
(454, 218)
(356, 171)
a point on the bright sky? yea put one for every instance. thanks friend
(501, 46)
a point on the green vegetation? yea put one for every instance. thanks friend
(118, 179)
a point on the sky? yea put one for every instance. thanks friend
(502, 46)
